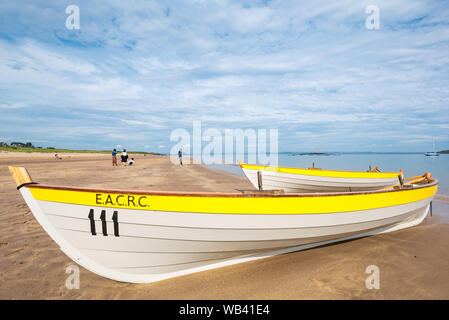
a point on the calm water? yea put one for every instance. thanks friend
(413, 164)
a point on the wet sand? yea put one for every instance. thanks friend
(413, 263)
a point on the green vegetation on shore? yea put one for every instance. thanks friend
(31, 148)
(444, 152)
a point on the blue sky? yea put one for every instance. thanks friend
(136, 70)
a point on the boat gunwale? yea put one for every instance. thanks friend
(226, 194)
(311, 169)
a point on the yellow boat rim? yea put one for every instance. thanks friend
(234, 203)
(323, 173)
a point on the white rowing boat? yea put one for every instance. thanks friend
(138, 236)
(317, 180)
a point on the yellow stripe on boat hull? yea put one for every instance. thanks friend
(237, 204)
(324, 173)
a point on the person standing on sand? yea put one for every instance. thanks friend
(180, 157)
(114, 158)
(124, 157)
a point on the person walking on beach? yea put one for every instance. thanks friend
(124, 157)
(114, 158)
(180, 157)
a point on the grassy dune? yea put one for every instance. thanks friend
(29, 150)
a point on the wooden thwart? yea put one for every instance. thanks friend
(427, 177)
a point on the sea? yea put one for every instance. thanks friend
(413, 164)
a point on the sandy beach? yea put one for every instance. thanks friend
(413, 263)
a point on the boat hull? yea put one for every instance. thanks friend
(142, 245)
(302, 183)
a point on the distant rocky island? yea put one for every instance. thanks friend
(311, 154)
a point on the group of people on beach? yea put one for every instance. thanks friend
(123, 157)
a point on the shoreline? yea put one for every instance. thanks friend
(412, 262)
(103, 156)
(442, 197)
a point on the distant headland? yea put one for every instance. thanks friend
(29, 147)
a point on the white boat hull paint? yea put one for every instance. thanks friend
(299, 183)
(155, 245)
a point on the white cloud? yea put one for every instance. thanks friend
(15, 105)
(308, 67)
